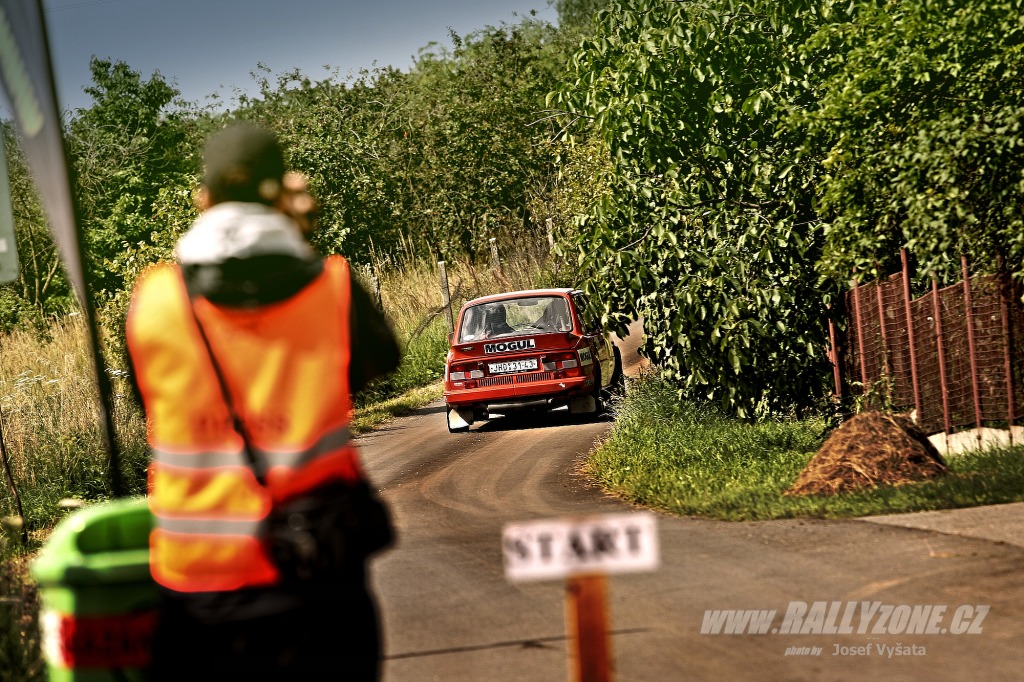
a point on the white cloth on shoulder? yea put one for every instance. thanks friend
(236, 229)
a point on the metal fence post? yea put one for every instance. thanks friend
(910, 334)
(835, 355)
(1004, 299)
(936, 311)
(886, 365)
(375, 282)
(858, 325)
(969, 315)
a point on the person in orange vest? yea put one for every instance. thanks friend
(245, 353)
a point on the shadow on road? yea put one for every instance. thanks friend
(429, 409)
(534, 419)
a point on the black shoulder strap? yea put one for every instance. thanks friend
(236, 420)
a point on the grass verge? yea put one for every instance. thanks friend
(375, 414)
(692, 460)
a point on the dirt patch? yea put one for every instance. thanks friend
(870, 449)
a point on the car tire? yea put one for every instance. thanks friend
(600, 398)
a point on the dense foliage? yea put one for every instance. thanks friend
(128, 148)
(42, 288)
(578, 14)
(919, 121)
(436, 161)
(707, 230)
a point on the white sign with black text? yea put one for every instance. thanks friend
(611, 543)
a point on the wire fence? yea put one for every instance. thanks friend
(950, 355)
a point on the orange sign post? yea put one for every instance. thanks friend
(586, 613)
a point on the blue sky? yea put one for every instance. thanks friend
(211, 46)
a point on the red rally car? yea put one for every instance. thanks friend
(536, 348)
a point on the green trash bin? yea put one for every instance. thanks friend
(98, 602)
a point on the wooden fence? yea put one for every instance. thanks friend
(953, 355)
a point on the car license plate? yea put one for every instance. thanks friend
(512, 366)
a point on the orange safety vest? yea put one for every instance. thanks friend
(286, 365)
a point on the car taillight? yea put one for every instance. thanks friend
(566, 362)
(464, 372)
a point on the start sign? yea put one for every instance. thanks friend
(612, 543)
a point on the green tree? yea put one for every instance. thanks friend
(133, 144)
(709, 227)
(346, 136)
(476, 134)
(432, 162)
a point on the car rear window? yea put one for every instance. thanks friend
(515, 317)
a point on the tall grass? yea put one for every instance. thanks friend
(51, 423)
(55, 449)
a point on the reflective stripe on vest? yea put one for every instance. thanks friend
(286, 366)
(213, 526)
(332, 440)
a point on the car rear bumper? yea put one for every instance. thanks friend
(519, 388)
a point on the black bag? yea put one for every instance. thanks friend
(329, 533)
(326, 533)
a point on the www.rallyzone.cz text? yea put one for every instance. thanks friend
(845, 618)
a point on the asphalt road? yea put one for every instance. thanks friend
(449, 614)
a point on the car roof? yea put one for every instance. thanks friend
(520, 294)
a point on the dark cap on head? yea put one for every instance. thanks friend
(243, 162)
